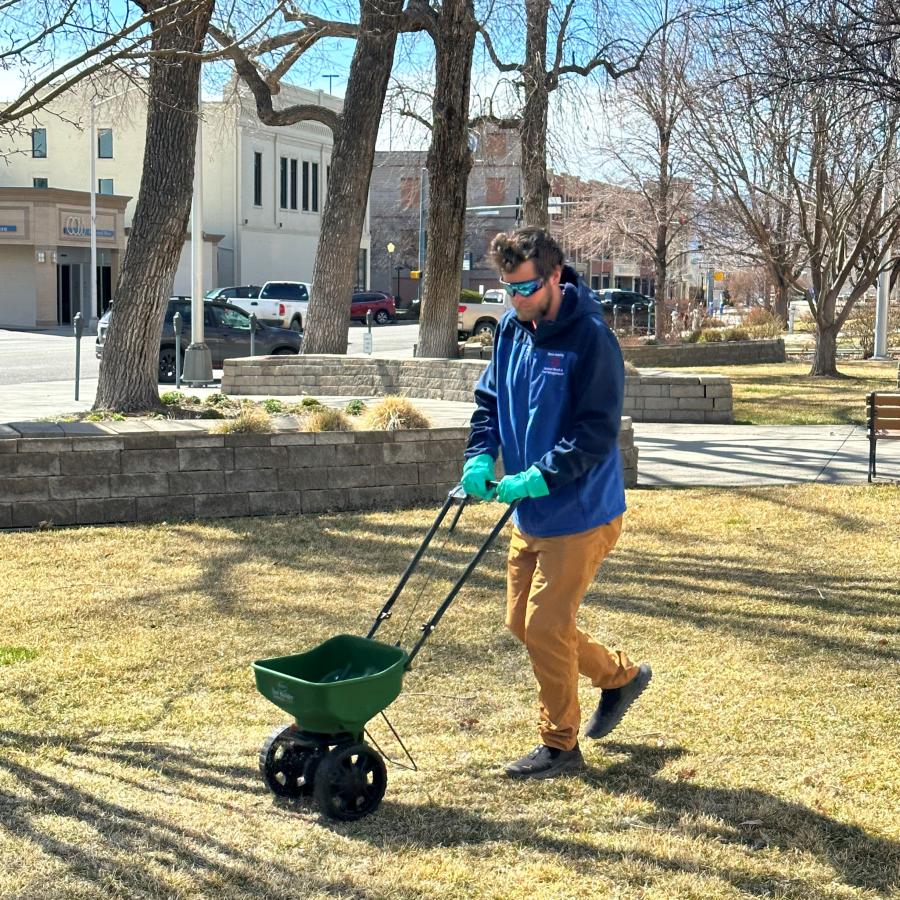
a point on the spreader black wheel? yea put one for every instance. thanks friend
(350, 782)
(288, 767)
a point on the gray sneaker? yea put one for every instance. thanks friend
(546, 762)
(615, 702)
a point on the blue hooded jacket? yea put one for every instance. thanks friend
(552, 398)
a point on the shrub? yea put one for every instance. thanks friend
(218, 400)
(250, 420)
(711, 322)
(485, 338)
(395, 414)
(710, 336)
(691, 337)
(309, 403)
(763, 323)
(171, 398)
(102, 415)
(273, 406)
(736, 334)
(324, 419)
(467, 295)
(355, 408)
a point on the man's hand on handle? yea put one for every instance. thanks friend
(529, 483)
(477, 477)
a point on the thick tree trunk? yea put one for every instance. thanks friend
(449, 163)
(351, 170)
(782, 298)
(130, 365)
(533, 130)
(825, 356)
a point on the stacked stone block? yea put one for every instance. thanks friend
(83, 473)
(648, 398)
(720, 353)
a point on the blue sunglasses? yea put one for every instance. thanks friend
(525, 288)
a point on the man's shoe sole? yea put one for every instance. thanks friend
(639, 682)
(567, 768)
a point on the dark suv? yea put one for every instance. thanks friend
(248, 291)
(226, 333)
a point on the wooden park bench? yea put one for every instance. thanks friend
(883, 420)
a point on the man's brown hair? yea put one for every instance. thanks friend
(510, 249)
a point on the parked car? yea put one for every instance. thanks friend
(625, 309)
(611, 298)
(226, 333)
(230, 293)
(383, 307)
(279, 303)
(480, 317)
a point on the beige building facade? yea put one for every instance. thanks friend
(264, 189)
(45, 254)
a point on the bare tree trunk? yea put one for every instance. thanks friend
(129, 368)
(351, 170)
(782, 298)
(533, 130)
(661, 247)
(825, 356)
(449, 163)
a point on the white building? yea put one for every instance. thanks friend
(264, 191)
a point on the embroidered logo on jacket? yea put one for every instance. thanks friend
(554, 364)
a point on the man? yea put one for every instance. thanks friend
(551, 400)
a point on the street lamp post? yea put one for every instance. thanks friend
(197, 357)
(390, 249)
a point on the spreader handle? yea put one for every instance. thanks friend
(431, 624)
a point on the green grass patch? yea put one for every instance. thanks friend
(762, 761)
(786, 394)
(10, 655)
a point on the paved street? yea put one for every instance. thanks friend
(41, 367)
(37, 380)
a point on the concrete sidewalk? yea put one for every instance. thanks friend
(671, 455)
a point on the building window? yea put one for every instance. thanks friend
(257, 179)
(40, 183)
(315, 187)
(105, 143)
(496, 191)
(496, 144)
(105, 186)
(305, 186)
(362, 269)
(39, 143)
(284, 183)
(293, 184)
(409, 192)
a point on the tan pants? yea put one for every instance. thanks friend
(546, 582)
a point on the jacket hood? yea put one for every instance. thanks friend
(577, 303)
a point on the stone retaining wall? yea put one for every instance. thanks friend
(648, 398)
(720, 353)
(83, 474)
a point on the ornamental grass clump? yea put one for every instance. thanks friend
(394, 414)
(323, 418)
(250, 420)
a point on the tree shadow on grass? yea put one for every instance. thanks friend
(131, 848)
(717, 814)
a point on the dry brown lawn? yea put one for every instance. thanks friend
(763, 760)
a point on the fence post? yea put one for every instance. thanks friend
(253, 334)
(177, 324)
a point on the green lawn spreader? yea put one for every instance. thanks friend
(333, 690)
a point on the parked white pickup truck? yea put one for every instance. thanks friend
(481, 317)
(280, 303)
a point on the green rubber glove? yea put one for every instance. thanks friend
(477, 472)
(529, 483)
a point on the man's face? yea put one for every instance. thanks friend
(536, 306)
